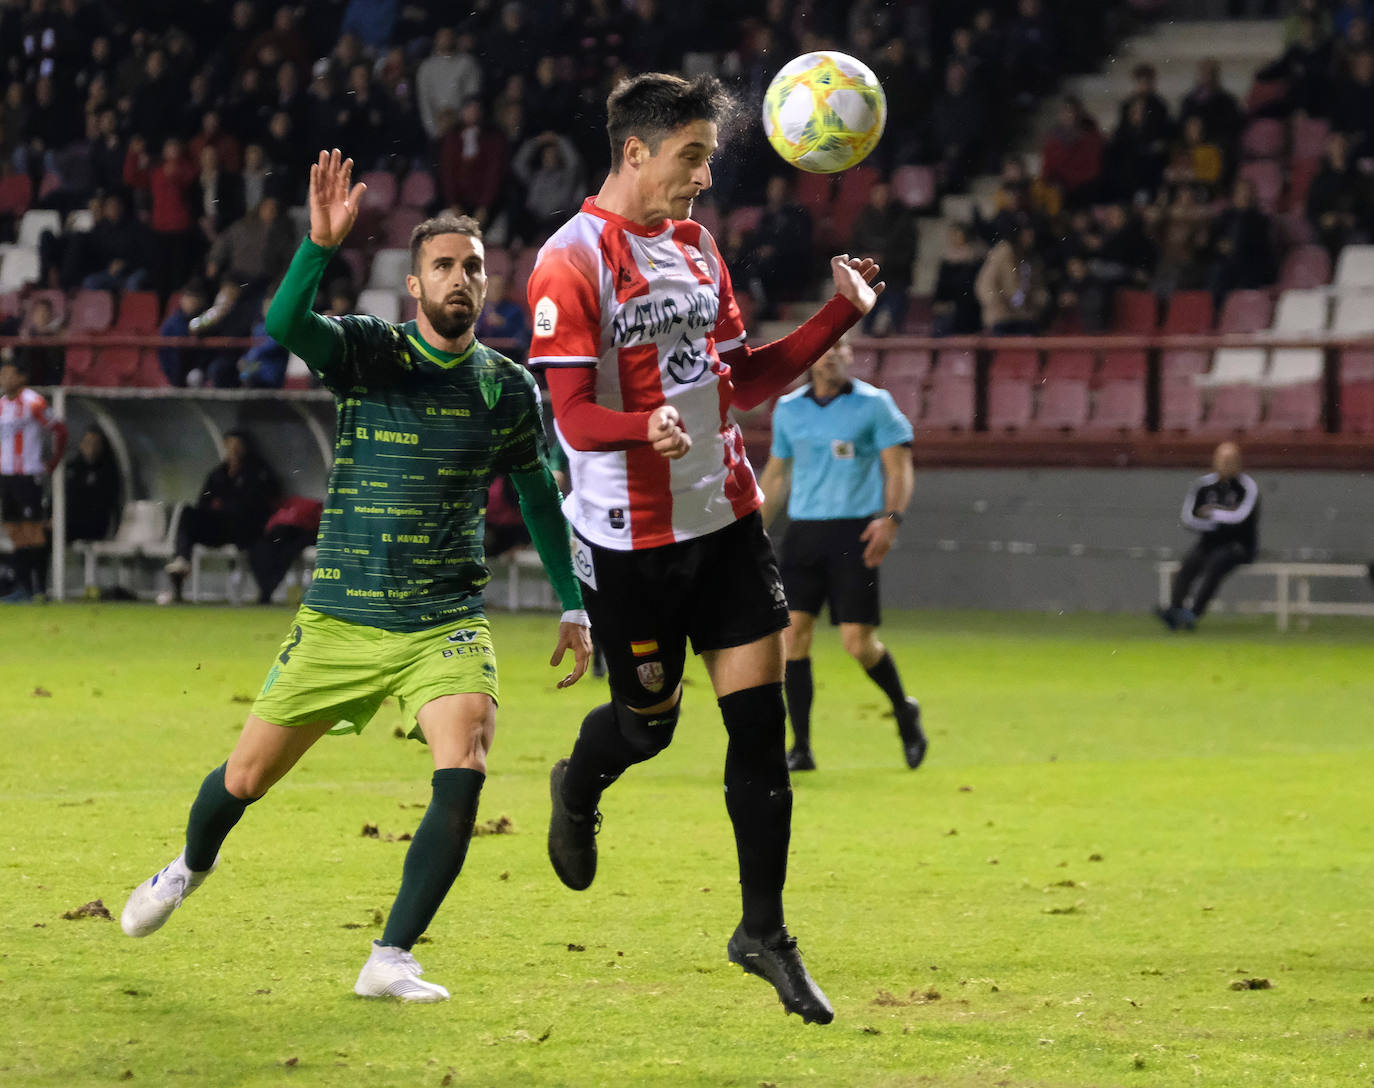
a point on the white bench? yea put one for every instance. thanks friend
(512, 563)
(1285, 575)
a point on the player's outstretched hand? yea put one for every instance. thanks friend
(333, 205)
(575, 637)
(666, 433)
(878, 537)
(857, 280)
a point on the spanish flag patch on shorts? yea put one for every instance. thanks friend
(645, 648)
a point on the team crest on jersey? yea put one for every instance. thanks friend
(697, 259)
(686, 364)
(545, 317)
(490, 385)
(842, 450)
(651, 676)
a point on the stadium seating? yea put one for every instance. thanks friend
(398, 225)
(18, 268)
(34, 222)
(919, 319)
(1301, 174)
(1135, 311)
(92, 312)
(418, 190)
(1189, 312)
(1356, 405)
(380, 302)
(1234, 408)
(1064, 392)
(1266, 175)
(1118, 406)
(915, 186)
(389, 269)
(1231, 366)
(1355, 267)
(1263, 138)
(1126, 366)
(1011, 390)
(381, 190)
(1295, 366)
(1183, 363)
(949, 401)
(864, 365)
(815, 193)
(1354, 313)
(855, 185)
(1305, 266)
(1302, 310)
(16, 194)
(1294, 408)
(907, 363)
(1246, 311)
(1309, 136)
(743, 220)
(1180, 405)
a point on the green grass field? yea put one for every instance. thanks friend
(1113, 830)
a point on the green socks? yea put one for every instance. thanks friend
(214, 813)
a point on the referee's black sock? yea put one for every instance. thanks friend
(19, 565)
(214, 813)
(797, 683)
(758, 797)
(884, 674)
(436, 854)
(600, 756)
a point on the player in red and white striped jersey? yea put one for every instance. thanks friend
(25, 422)
(637, 328)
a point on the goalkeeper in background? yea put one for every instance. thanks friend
(427, 415)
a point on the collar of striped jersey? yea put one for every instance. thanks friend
(629, 225)
(445, 359)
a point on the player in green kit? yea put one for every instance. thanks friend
(426, 415)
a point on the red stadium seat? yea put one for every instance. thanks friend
(1136, 311)
(907, 363)
(1305, 266)
(919, 318)
(908, 394)
(708, 215)
(1070, 365)
(1265, 92)
(1264, 138)
(949, 402)
(864, 364)
(520, 276)
(1357, 407)
(1180, 405)
(1300, 175)
(499, 262)
(398, 226)
(1234, 408)
(1294, 408)
(1309, 136)
(957, 362)
(137, 312)
(743, 219)
(1291, 228)
(1266, 175)
(381, 190)
(914, 186)
(1120, 406)
(1357, 365)
(16, 194)
(1246, 311)
(1123, 366)
(92, 312)
(1015, 366)
(418, 190)
(1063, 404)
(1184, 363)
(1010, 404)
(1189, 312)
(815, 193)
(855, 185)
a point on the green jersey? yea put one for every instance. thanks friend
(420, 434)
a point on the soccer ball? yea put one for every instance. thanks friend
(824, 112)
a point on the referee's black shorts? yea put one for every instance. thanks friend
(719, 590)
(824, 561)
(22, 499)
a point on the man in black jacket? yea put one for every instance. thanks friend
(1223, 508)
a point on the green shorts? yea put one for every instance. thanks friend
(331, 670)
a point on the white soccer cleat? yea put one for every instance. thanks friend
(393, 972)
(152, 902)
(179, 567)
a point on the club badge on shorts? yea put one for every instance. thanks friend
(651, 676)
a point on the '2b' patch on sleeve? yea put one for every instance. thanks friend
(545, 317)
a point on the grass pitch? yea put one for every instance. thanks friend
(1114, 831)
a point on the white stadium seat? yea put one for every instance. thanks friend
(1295, 366)
(18, 268)
(35, 222)
(380, 302)
(1354, 313)
(1302, 310)
(389, 269)
(1235, 366)
(1355, 267)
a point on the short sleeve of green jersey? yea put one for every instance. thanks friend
(373, 353)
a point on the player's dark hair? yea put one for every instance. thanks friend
(18, 362)
(440, 224)
(655, 104)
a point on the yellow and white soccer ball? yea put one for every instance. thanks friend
(824, 112)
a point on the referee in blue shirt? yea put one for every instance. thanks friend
(843, 451)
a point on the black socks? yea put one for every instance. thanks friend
(214, 813)
(884, 674)
(799, 688)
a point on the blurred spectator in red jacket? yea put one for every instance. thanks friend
(1071, 159)
(172, 219)
(472, 164)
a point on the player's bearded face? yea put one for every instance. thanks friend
(452, 283)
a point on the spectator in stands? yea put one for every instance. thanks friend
(1083, 299)
(1355, 41)
(254, 251)
(228, 150)
(1158, 127)
(1304, 10)
(1137, 154)
(176, 363)
(1031, 51)
(472, 166)
(446, 79)
(1222, 507)
(548, 99)
(886, 231)
(955, 307)
(1180, 229)
(216, 197)
(156, 99)
(363, 117)
(43, 365)
(1351, 101)
(231, 314)
(1071, 158)
(1241, 242)
(774, 255)
(907, 112)
(505, 527)
(93, 489)
(1338, 200)
(168, 184)
(292, 528)
(1222, 118)
(1195, 159)
(1305, 66)
(288, 180)
(550, 169)
(114, 254)
(1011, 286)
(256, 176)
(1013, 203)
(1119, 252)
(234, 505)
(107, 154)
(262, 366)
(957, 120)
(503, 318)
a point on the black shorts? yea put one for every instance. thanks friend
(719, 590)
(22, 499)
(824, 561)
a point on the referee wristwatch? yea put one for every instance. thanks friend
(894, 516)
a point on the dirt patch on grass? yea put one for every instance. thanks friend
(94, 909)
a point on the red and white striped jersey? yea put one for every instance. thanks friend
(652, 311)
(23, 419)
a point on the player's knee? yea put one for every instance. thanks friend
(648, 734)
(246, 782)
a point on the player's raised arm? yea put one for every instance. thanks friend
(291, 321)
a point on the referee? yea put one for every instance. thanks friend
(843, 451)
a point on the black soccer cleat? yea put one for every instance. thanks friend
(572, 836)
(1168, 617)
(776, 960)
(801, 759)
(913, 737)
